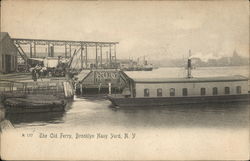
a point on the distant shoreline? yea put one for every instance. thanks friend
(205, 66)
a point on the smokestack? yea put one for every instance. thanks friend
(189, 67)
(189, 63)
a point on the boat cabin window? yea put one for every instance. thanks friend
(184, 91)
(159, 92)
(215, 91)
(172, 92)
(203, 91)
(146, 92)
(227, 90)
(238, 89)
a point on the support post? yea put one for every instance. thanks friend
(30, 50)
(101, 54)
(81, 56)
(110, 61)
(70, 50)
(81, 89)
(107, 58)
(65, 50)
(52, 50)
(48, 50)
(115, 52)
(86, 56)
(109, 88)
(96, 56)
(35, 49)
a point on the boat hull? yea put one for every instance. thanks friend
(24, 105)
(165, 101)
(35, 109)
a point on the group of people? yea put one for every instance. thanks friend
(38, 72)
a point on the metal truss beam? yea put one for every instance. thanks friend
(63, 42)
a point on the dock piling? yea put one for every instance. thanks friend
(109, 88)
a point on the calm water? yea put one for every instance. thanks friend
(207, 131)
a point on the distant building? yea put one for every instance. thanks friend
(8, 54)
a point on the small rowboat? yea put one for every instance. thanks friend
(34, 103)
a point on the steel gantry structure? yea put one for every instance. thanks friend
(67, 44)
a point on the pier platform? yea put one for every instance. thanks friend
(15, 84)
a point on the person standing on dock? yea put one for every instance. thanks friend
(34, 75)
(38, 69)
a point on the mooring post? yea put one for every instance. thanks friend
(81, 88)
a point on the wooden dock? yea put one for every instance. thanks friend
(59, 88)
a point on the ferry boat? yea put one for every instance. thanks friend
(187, 90)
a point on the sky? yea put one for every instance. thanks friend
(156, 29)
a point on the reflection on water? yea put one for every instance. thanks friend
(35, 119)
(199, 115)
